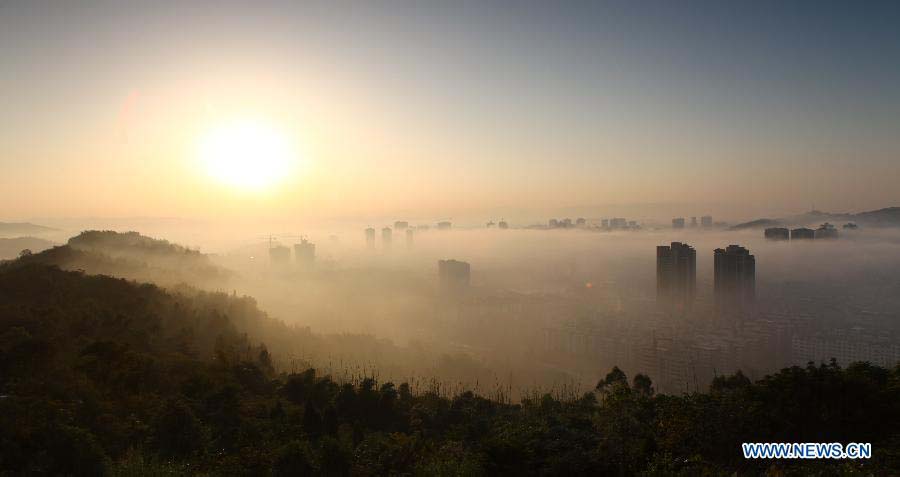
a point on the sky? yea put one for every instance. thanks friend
(450, 109)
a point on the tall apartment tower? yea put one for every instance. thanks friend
(305, 253)
(676, 274)
(453, 275)
(386, 238)
(678, 223)
(706, 221)
(370, 238)
(735, 277)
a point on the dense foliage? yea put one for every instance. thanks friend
(104, 376)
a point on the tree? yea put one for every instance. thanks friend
(643, 385)
(178, 432)
(292, 460)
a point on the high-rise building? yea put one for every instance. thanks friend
(401, 225)
(826, 231)
(676, 274)
(678, 223)
(618, 223)
(445, 225)
(386, 238)
(734, 276)
(279, 255)
(803, 233)
(777, 233)
(604, 223)
(503, 225)
(706, 221)
(304, 253)
(370, 238)
(693, 222)
(453, 275)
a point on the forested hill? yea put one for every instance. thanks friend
(133, 256)
(104, 376)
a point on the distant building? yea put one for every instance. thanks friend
(604, 223)
(386, 238)
(693, 222)
(803, 233)
(370, 238)
(453, 275)
(503, 225)
(490, 224)
(409, 238)
(676, 274)
(850, 226)
(632, 224)
(565, 223)
(553, 223)
(618, 223)
(678, 223)
(401, 225)
(778, 233)
(706, 221)
(304, 253)
(279, 255)
(734, 276)
(445, 225)
(826, 231)
(580, 222)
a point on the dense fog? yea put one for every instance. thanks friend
(543, 308)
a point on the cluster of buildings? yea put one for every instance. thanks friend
(618, 223)
(705, 221)
(387, 235)
(500, 225)
(825, 231)
(304, 254)
(566, 223)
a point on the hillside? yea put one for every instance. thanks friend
(134, 256)
(757, 224)
(887, 217)
(104, 376)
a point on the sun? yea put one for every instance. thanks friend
(246, 154)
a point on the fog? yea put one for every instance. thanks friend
(544, 308)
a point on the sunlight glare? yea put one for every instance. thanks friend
(246, 154)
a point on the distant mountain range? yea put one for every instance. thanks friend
(23, 228)
(887, 217)
(11, 247)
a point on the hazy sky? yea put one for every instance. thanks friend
(445, 110)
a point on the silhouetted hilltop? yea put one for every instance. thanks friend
(129, 242)
(12, 247)
(133, 256)
(887, 217)
(23, 228)
(757, 224)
